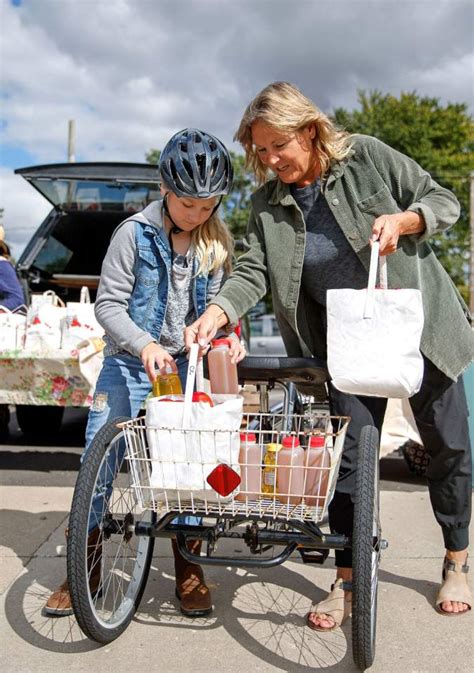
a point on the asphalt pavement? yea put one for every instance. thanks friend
(258, 618)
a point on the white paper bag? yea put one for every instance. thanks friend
(187, 440)
(43, 324)
(374, 337)
(80, 323)
(12, 328)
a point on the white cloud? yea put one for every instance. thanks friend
(131, 72)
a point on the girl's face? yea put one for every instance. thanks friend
(291, 156)
(190, 213)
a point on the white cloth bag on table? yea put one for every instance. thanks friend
(12, 328)
(43, 324)
(373, 337)
(80, 323)
(188, 440)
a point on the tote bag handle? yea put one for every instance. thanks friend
(193, 365)
(375, 260)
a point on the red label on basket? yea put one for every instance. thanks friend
(223, 479)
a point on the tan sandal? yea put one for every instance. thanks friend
(454, 587)
(335, 605)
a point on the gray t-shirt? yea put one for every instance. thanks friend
(329, 260)
(180, 308)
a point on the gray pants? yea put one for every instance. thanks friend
(441, 415)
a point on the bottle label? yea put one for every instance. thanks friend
(269, 477)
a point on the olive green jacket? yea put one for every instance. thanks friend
(373, 180)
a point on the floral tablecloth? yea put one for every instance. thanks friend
(56, 378)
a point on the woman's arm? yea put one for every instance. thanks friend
(427, 208)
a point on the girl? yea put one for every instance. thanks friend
(162, 267)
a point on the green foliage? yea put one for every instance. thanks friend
(441, 139)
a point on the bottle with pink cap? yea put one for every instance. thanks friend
(317, 463)
(222, 372)
(250, 461)
(290, 471)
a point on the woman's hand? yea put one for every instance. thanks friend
(237, 349)
(155, 357)
(205, 328)
(387, 229)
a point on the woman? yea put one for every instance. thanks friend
(162, 267)
(310, 230)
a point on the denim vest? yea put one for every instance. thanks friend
(148, 301)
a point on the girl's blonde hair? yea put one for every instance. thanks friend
(284, 107)
(214, 245)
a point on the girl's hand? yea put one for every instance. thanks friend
(237, 349)
(155, 357)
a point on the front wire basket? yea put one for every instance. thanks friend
(169, 468)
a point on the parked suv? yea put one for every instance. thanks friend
(88, 201)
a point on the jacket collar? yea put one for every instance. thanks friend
(279, 192)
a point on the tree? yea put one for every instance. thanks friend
(236, 205)
(441, 139)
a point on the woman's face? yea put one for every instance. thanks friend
(291, 156)
(190, 213)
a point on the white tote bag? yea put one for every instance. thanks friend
(80, 323)
(43, 324)
(12, 328)
(373, 337)
(188, 440)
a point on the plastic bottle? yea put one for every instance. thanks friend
(269, 469)
(317, 463)
(167, 384)
(290, 478)
(250, 460)
(222, 372)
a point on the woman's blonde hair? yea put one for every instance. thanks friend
(284, 107)
(214, 245)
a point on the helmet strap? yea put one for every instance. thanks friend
(174, 227)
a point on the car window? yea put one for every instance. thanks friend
(53, 257)
(93, 195)
(256, 327)
(275, 328)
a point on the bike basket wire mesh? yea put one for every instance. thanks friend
(277, 466)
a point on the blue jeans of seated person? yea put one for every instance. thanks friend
(121, 389)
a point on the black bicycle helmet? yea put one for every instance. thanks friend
(196, 164)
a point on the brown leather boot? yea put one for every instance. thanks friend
(59, 603)
(191, 589)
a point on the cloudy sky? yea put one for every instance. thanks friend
(132, 72)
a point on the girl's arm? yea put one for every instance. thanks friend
(115, 288)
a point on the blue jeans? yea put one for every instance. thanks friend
(121, 389)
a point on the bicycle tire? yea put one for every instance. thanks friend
(366, 541)
(104, 612)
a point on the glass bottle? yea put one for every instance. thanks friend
(167, 384)
(269, 469)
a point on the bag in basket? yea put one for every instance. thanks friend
(374, 337)
(80, 323)
(188, 440)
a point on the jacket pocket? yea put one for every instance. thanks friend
(379, 203)
(147, 269)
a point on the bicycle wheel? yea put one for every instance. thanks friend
(108, 564)
(366, 544)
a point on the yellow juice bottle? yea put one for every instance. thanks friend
(269, 469)
(167, 384)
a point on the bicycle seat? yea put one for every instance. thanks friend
(271, 369)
